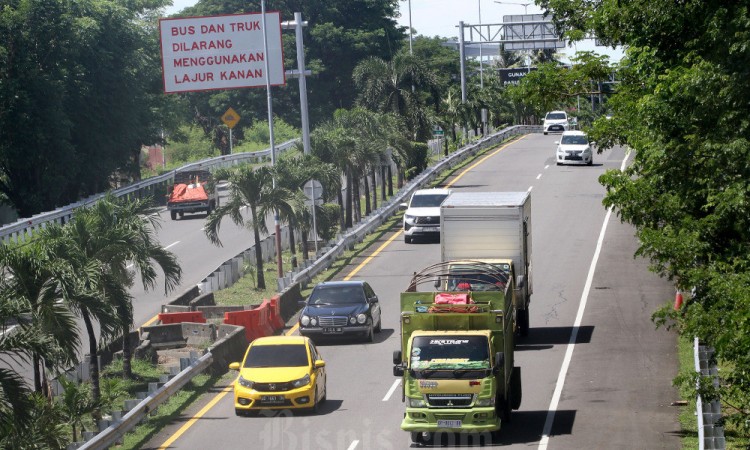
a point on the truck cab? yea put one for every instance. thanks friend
(456, 357)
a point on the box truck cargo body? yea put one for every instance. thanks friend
(488, 226)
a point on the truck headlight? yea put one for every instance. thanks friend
(416, 402)
(304, 321)
(304, 381)
(486, 401)
(245, 382)
(408, 218)
(361, 318)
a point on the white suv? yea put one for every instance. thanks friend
(422, 215)
(556, 121)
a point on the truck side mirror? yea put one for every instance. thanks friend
(398, 371)
(520, 281)
(437, 284)
(403, 206)
(397, 357)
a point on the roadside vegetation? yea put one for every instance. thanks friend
(75, 122)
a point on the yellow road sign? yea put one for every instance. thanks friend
(230, 118)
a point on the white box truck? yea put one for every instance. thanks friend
(494, 228)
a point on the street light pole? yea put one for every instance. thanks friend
(269, 98)
(411, 33)
(481, 59)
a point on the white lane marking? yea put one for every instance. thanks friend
(546, 166)
(530, 188)
(391, 390)
(353, 445)
(574, 334)
(539, 176)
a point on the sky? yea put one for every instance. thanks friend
(441, 17)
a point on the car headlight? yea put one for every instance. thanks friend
(352, 320)
(304, 381)
(304, 321)
(416, 402)
(246, 383)
(361, 318)
(486, 401)
(314, 321)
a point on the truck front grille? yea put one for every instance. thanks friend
(332, 321)
(449, 400)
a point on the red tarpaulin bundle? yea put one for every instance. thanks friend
(183, 192)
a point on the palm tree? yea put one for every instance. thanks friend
(138, 222)
(254, 189)
(96, 246)
(17, 342)
(397, 87)
(31, 279)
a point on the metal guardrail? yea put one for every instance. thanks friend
(117, 430)
(710, 431)
(368, 225)
(23, 229)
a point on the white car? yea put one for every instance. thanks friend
(574, 148)
(422, 215)
(556, 121)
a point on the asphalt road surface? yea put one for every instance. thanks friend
(596, 373)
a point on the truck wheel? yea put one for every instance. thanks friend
(173, 215)
(523, 322)
(503, 408)
(416, 438)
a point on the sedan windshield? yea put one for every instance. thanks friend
(336, 295)
(574, 140)
(277, 356)
(426, 201)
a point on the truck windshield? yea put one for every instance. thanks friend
(450, 353)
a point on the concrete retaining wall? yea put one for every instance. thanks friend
(290, 298)
(229, 348)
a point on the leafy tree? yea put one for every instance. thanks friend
(254, 189)
(75, 403)
(340, 33)
(681, 105)
(78, 85)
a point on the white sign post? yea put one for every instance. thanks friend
(221, 52)
(314, 192)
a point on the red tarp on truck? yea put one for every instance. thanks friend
(188, 192)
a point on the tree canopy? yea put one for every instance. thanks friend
(682, 106)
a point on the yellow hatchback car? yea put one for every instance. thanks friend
(280, 372)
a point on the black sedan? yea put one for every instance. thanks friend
(341, 308)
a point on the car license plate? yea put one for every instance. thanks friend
(272, 399)
(332, 330)
(449, 423)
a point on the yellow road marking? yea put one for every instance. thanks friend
(195, 418)
(369, 258)
(227, 389)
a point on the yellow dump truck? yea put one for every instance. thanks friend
(456, 357)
